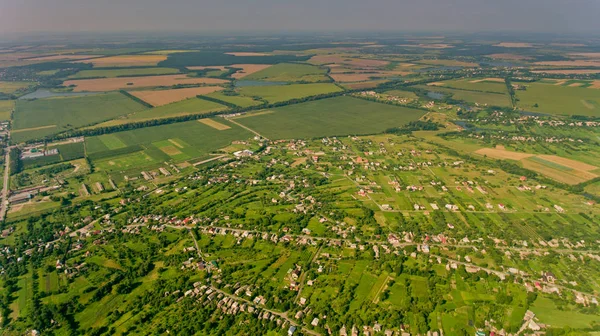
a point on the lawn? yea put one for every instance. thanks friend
(329, 117)
(280, 93)
(110, 73)
(6, 107)
(41, 117)
(556, 99)
(288, 72)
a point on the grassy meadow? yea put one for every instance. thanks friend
(559, 100)
(289, 72)
(328, 117)
(41, 117)
(280, 93)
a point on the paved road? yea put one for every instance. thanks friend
(4, 198)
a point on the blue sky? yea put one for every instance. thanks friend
(568, 16)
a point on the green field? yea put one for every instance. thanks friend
(240, 101)
(279, 93)
(288, 72)
(474, 84)
(41, 117)
(123, 72)
(329, 117)
(556, 99)
(6, 107)
(177, 142)
(547, 312)
(402, 94)
(12, 87)
(184, 107)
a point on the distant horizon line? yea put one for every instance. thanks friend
(272, 32)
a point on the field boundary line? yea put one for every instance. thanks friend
(247, 128)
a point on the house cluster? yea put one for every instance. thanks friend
(521, 138)
(385, 97)
(232, 305)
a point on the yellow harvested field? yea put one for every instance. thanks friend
(502, 154)
(577, 165)
(203, 67)
(514, 45)
(576, 63)
(214, 124)
(164, 97)
(568, 177)
(586, 54)
(111, 84)
(248, 69)
(62, 57)
(246, 53)
(569, 72)
(126, 60)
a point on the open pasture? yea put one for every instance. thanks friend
(279, 93)
(111, 84)
(329, 117)
(164, 97)
(125, 60)
(288, 72)
(111, 73)
(41, 117)
(558, 99)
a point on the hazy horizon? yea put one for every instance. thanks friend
(552, 16)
